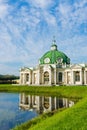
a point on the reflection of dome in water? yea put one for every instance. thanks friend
(53, 56)
(46, 105)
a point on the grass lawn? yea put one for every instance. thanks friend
(61, 91)
(74, 118)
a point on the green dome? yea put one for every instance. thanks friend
(54, 56)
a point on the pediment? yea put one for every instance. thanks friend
(76, 66)
(25, 69)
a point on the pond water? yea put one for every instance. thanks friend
(18, 108)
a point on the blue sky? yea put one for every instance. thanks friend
(27, 28)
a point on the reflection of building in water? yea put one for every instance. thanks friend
(43, 103)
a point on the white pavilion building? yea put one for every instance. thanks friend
(54, 68)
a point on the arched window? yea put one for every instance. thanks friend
(77, 76)
(27, 77)
(46, 77)
(60, 76)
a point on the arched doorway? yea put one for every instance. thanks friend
(46, 102)
(46, 77)
(60, 76)
(77, 76)
(27, 77)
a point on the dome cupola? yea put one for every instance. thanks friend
(54, 56)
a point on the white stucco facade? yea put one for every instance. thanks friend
(52, 75)
(54, 69)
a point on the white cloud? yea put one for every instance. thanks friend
(6, 69)
(80, 4)
(41, 3)
(71, 16)
(50, 19)
(4, 7)
(75, 48)
(26, 32)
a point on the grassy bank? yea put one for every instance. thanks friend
(33, 122)
(64, 91)
(73, 118)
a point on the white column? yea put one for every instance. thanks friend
(50, 77)
(66, 77)
(23, 78)
(32, 78)
(42, 77)
(85, 77)
(81, 77)
(63, 77)
(20, 78)
(72, 77)
(39, 77)
(55, 76)
(30, 74)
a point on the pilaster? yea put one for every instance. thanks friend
(72, 77)
(81, 77)
(50, 78)
(55, 76)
